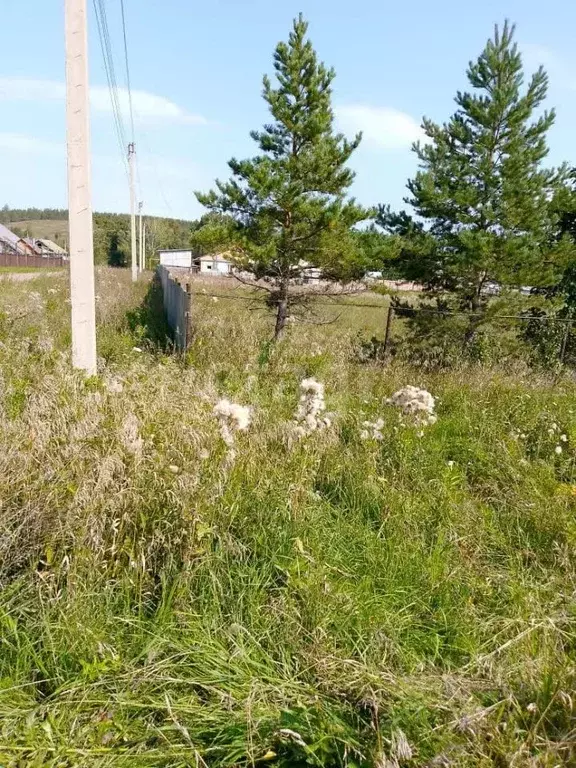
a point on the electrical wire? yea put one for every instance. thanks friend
(106, 47)
(127, 64)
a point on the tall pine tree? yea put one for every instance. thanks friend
(289, 202)
(482, 192)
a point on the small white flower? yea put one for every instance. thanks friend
(550, 432)
(136, 349)
(215, 299)
(450, 464)
(522, 436)
(555, 427)
(558, 450)
(532, 707)
(564, 438)
(174, 469)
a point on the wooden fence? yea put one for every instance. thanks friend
(30, 260)
(177, 306)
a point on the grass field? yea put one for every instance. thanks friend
(170, 600)
(51, 229)
(28, 270)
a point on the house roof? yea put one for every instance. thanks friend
(216, 257)
(8, 236)
(52, 246)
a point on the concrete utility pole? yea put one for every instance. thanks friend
(141, 237)
(131, 161)
(81, 244)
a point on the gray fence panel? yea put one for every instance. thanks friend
(177, 308)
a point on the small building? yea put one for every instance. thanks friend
(215, 264)
(309, 275)
(50, 248)
(11, 243)
(177, 257)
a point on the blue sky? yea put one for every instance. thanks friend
(196, 75)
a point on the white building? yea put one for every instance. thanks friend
(177, 258)
(215, 264)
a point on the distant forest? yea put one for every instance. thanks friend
(111, 231)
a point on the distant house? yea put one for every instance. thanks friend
(215, 264)
(309, 274)
(11, 243)
(49, 247)
(177, 258)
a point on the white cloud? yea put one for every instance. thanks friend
(17, 142)
(383, 127)
(535, 55)
(562, 71)
(148, 107)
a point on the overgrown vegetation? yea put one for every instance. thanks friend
(307, 553)
(323, 600)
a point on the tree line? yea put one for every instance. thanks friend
(485, 212)
(111, 232)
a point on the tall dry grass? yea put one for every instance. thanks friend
(320, 601)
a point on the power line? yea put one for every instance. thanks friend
(106, 47)
(127, 63)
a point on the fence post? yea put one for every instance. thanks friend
(188, 317)
(389, 319)
(565, 338)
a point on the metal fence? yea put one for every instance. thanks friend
(30, 260)
(177, 306)
(551, 337)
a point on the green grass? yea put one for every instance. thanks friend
(163, 604)
(28, 269)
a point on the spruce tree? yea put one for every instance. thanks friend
(289, 202)
(482, 192)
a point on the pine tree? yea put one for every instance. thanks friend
(482, 192)
(289, 202)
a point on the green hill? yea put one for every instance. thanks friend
(111, 231)
(56, 229)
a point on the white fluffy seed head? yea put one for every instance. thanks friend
(233, 418)
(309, 414)
(415, 402)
